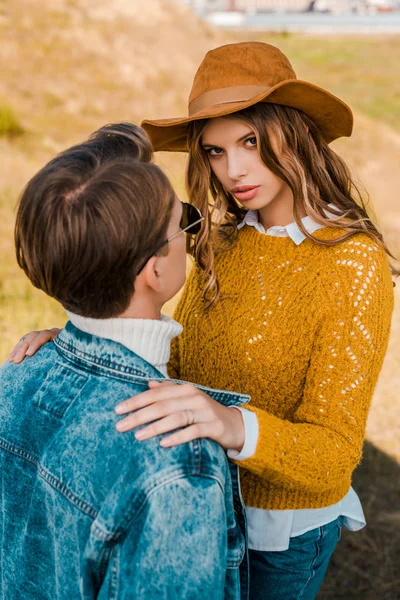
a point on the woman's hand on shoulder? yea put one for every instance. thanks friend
(168, 406)
(31, 342)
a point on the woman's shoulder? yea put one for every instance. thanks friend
(360, 249)
(356, 268)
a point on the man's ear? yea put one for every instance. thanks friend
(150, 276)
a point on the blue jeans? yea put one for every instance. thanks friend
(295, 573)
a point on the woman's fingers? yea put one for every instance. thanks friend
(169, 423)
(47, 335)
(156, 384)
(165, 391)
(19, 351)
(187, 409)
(153, 412)
(188, 434)
(31, 342)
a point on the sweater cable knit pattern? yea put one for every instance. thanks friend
(303, 330)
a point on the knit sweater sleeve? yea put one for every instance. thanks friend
(173, 364)
(322, 441)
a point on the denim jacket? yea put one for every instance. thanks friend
(87, 512)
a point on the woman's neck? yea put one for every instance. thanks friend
(279, 212)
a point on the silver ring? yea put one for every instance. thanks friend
(191, 417)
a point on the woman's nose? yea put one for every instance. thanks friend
(236, 168)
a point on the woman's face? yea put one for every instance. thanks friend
(235, 160)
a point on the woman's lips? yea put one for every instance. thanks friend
(245, 192)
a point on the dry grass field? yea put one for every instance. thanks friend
(70, 66)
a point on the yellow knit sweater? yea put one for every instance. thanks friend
(303, 330)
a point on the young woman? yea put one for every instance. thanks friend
(290, 301)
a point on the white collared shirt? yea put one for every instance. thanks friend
(271, 530)
(290, 230)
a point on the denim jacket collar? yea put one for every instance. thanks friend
(105, 356)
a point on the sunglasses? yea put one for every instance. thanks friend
(190, 223)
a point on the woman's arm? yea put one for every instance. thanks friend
(31, 342)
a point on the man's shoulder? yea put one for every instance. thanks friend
(20, 382)
(116, 474)
(55, 385)
(72, 434)
(90, 451)
(65, 445)
(85, 452)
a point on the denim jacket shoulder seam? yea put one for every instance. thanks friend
(133, 513)
(147, 490)
(98, 362)
(47, 476)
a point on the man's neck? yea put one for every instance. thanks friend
(142, 308)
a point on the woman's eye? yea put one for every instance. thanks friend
(251, 142)
(215, 151)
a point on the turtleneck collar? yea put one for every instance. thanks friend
(148, 338)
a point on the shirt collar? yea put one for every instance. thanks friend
(148, 338)
(291, 230)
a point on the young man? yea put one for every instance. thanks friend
(88, 512)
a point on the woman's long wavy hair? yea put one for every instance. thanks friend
(316, 175)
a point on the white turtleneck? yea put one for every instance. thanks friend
(148, 338)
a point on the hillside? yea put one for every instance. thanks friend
(70, 66)
(67, 66)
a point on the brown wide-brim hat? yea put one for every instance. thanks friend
(236, 76)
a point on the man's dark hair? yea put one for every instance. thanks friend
(90, 217)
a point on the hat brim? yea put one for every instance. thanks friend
(332, 116)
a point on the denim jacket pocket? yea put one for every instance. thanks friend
(60, 387)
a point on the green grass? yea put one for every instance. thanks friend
(10, 125)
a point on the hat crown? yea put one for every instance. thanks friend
(241, 64)
(234, 77)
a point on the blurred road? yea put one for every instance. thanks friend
(309, 22)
